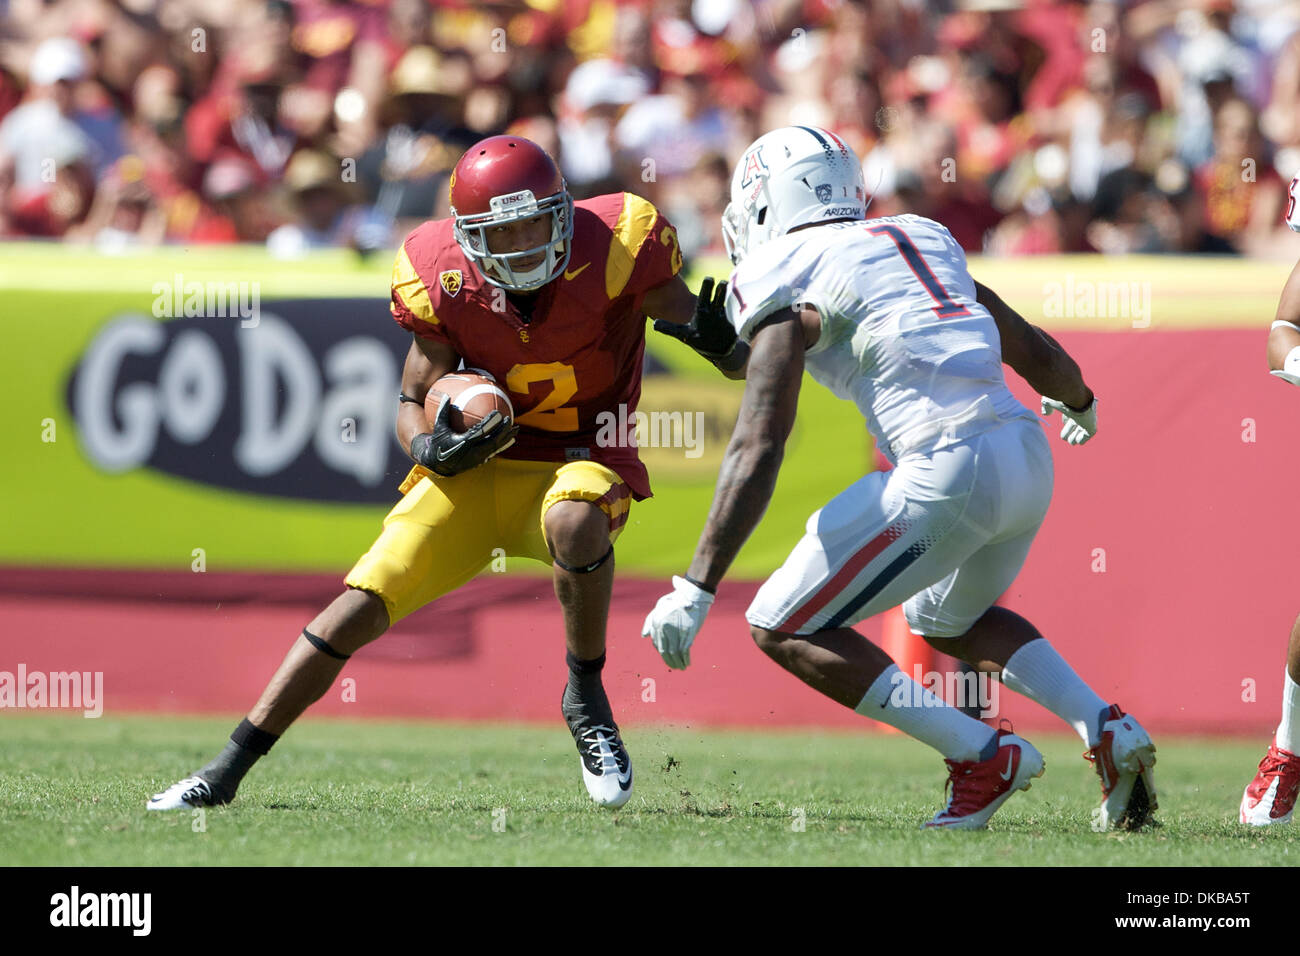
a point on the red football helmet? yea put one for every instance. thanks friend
(504, 179)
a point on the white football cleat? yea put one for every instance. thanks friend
(1270, 797)
(1123, 759)
(979, 787)
(606, 767)
(188, 794)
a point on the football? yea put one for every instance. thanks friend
(473, 394)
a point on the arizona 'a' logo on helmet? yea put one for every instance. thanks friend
(753, 167)
(506, 179)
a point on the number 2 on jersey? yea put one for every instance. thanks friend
(947, 308)
(550, 415)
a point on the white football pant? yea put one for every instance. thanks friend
(944, 534)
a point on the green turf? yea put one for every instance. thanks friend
(72, 792)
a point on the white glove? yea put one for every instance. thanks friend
(1290, 370)
(675, 620)
(1077, 427)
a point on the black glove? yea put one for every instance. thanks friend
(709, 332)
(446, 452)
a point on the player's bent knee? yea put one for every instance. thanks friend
(353, 620)
(578, 534)
(768, 641)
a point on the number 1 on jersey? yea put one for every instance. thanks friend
(947, 308)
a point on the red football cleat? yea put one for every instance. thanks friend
(1123, 759)
(1271, 796)
(978, 787)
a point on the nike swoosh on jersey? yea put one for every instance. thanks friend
(576, 272)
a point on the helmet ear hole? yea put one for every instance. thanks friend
(762, 214)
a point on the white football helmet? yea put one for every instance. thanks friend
(790, 177)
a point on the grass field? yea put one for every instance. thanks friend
(72, 793)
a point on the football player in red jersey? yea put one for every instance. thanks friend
(549, 297)
(1271, 796)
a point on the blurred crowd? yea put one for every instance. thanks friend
(1026, 127)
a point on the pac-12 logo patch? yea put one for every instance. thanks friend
(451, 281)
(754, 167)
(824, 192)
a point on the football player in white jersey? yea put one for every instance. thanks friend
(884, 313)
(1271, 796)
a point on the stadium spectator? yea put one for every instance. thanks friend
(1241, 196)
(238, 198)
(125, 213)
(324, 217)
(596, 94)
(44, 127)
(405, 171)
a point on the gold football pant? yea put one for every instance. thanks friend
(446, 530)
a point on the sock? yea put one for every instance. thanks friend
(584, 694)
(1042, 675)
(897, 700)
(246, 745)
(1288, 732)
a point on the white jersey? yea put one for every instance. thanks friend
(901, 333)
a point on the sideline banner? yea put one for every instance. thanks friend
(228, 412)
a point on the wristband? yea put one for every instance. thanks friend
(701, 586)
(1289, 325)
(1292, 363)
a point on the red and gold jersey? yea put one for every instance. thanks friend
(572, 369)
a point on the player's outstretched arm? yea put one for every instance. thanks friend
(698, 321)
(1039, 359)
(745, 484)
(748, 473)
(1034, 355)
(1284, 336)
